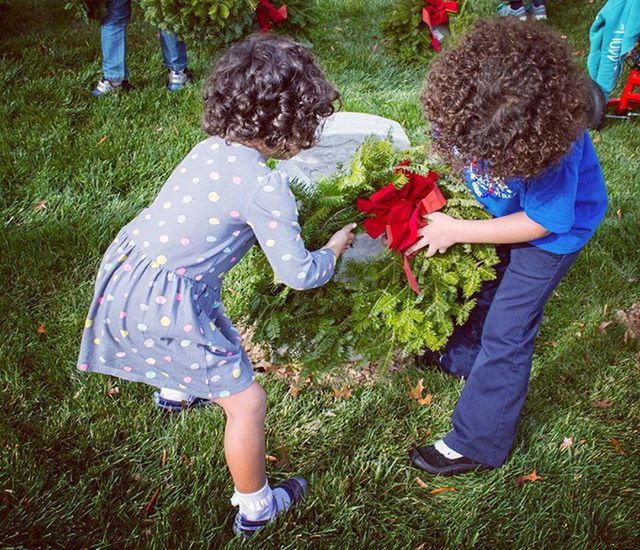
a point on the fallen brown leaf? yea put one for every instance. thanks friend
(40, 205)
(285, 461)
(602, 327)
(113, 391)
(41, 329)
(617, 445)
(442, 490)
(426, 400)
(163, 460)
(566, 443)
(416, 392)
(421, 483)
(602, 404)
(294, 390)
(342, 393)
(102, 140)
(533, 477)
(152, 500)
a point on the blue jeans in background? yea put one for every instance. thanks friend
(493, 351)
(113, 34)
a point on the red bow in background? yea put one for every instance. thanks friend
(267, 14)
(436, 13)
(400, 212)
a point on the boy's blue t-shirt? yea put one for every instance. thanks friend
(568, 200)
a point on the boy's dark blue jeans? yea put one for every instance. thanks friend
(494, 349)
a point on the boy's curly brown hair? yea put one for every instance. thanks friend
(268, 89)
(508, 94)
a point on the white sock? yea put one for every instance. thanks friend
(258, 506)
(445, 450)
(174, 395)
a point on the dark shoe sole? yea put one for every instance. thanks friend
(454, 469)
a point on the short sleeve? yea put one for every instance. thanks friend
(273, 216)
(550, 199)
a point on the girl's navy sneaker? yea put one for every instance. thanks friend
(430, 460)
(285, 495)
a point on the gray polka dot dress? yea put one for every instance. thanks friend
(157, 314)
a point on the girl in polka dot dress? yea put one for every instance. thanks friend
(157, 315)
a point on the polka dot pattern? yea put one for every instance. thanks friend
(144, 323)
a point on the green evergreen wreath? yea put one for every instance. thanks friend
(371, 312)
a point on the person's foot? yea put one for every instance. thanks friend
(431, 460)
(291, 491)
(176, 80)
(505, 10)
(539, 13)
(174, 406)
(108, 87)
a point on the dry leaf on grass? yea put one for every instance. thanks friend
(630, 318)
(602, 404)
(533, 477)
(442, 490)
(602, 327)
(342, 393)
(416, 393)
(566, 443)
(102, 140)
(40, 205)
(113, 391)
(163, 460)
(41, 329)
(149, 505)
(421, 483)
(617, 445)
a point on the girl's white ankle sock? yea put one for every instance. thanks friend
(258, 506)
(174, 395)
(445, 450)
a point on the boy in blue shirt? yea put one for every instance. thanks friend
(493, 102)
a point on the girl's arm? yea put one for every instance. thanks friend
(272, 214)
(444, 231)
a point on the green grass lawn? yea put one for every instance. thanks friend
(81, 463)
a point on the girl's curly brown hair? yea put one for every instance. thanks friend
(269, 90)
(508, 94)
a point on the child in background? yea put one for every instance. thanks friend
(493, 104)
(614, 33)
(157, 317)
(113, 39)
(517, 8)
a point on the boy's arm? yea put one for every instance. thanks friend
(444, 231)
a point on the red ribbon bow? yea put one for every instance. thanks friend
(267, 14)
(436, 13)
(400, 212)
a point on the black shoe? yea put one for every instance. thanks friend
(429, 359)
(433, 462)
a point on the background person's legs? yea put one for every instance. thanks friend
(113, 34)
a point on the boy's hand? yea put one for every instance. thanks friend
(341, 239)
(438, 234)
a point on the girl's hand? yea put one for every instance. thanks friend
(438, 234)
(341, 239)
